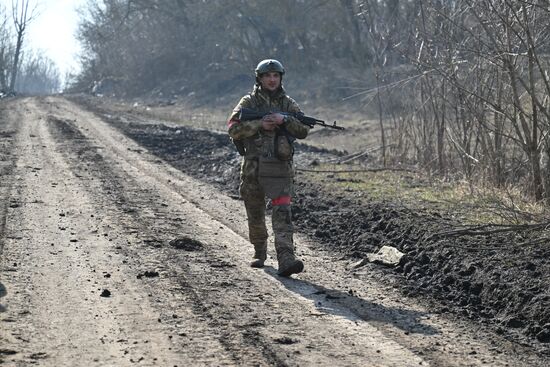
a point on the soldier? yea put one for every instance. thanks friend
(267, 168)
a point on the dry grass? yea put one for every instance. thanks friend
(468, 203)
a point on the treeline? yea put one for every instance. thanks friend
(137, 45)
(23, 71)
(460, 88)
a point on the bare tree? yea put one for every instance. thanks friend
(515, 39)
(21, 16)
(5, 49)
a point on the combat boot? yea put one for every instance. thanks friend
(282, 229)
(289, 264)
(260, 254)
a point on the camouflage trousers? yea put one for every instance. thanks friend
(254, 189)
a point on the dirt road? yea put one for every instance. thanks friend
(111, 257)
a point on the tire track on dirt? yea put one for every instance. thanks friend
(66, 254)
(126, 194)
(7, 163)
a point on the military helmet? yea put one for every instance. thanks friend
(268, 65)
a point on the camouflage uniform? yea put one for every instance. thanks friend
(266, 172)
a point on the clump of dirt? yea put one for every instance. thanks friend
(187, 244)
(500, 277)
(285, 340)
(148, 274)
(105, 293)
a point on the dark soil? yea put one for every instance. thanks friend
(502, 279)
(187, 244)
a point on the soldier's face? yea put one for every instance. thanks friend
(270, 81)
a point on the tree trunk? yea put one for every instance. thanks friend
(537, 173)
(15, 66)
(382, 131)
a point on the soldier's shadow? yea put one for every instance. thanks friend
(347, 304)
(3, 292)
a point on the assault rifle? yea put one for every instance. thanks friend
(247, 114)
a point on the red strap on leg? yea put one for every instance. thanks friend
(281, 200)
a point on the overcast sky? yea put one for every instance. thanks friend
(53, 31)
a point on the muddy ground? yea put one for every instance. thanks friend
(502, 279)
(123, 242)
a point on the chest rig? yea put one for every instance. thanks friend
(270, 145)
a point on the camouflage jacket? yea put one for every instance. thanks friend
(257, 141)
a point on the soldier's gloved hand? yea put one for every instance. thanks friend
(268, 125)
(278, 118)
(271, 121)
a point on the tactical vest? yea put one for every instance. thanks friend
(276, 144)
